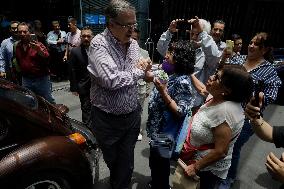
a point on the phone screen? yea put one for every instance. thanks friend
(33, 37)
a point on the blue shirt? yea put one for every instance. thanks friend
(52, 38)
(6, 54)
(266, 72)
(181, 91)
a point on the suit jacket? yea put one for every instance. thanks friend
(79, 75)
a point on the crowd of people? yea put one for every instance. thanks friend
(111, 75)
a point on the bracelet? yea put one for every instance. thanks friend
(261, 123)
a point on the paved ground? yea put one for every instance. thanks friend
(252, 172)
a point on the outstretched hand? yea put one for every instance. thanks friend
(251, 111)
(275, 166)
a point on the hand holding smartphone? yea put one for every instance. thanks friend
(33, 37)
(229, 45)
(259, 87)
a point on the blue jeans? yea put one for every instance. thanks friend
(40, 86)
(244, 136)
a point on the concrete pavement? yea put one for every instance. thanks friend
(252, 171)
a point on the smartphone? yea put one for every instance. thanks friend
(229, 45)
(33, 37)
(183, 25)
(259, 87)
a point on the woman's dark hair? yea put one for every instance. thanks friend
(236, 37)
(238, 81)
(184, 57)
(263, 40)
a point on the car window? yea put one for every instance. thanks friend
(20, 97)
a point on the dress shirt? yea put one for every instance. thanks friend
(114, 74)
(52, 39)
(6, 54)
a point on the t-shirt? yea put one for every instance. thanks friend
(209, 117)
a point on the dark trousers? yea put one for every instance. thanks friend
(86, 107)
(208, 180)
(57, 66)
(160, 170)
(117, 136)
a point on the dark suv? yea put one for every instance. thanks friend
(40, 146)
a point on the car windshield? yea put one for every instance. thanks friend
(25, 99)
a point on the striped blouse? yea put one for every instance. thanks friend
(266, 72)
(114, 75)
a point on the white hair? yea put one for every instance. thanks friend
(206, 26)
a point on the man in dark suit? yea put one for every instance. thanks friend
(80, 82)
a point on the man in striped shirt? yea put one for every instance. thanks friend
(115, 68)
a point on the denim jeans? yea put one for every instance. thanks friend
(40, 86)
(244, 136)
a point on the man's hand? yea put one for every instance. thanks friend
(2, 75)
(144, 64)
(149, 76)
(65, 58)
(275, 166)
(196, 24)
(60, 41)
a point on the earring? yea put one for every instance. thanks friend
(223, 94)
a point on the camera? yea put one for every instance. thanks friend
(33, 37)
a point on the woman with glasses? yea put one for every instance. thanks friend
(216, 126)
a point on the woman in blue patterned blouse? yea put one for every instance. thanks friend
(175, 97)
(258, 64)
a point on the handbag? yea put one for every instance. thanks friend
(181, 181)
(169, 141)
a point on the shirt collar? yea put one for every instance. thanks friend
(108, 33)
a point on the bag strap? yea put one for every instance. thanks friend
(204, 146)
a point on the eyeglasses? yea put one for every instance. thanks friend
(128, 26)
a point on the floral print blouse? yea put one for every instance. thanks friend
(181, 90)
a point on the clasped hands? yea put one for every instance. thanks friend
(145, 64)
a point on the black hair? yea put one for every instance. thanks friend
(219, 21)
(240, 83)
(236, 37)
(184, 57)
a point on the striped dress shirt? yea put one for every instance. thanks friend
(114, 75)
(266, 72)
